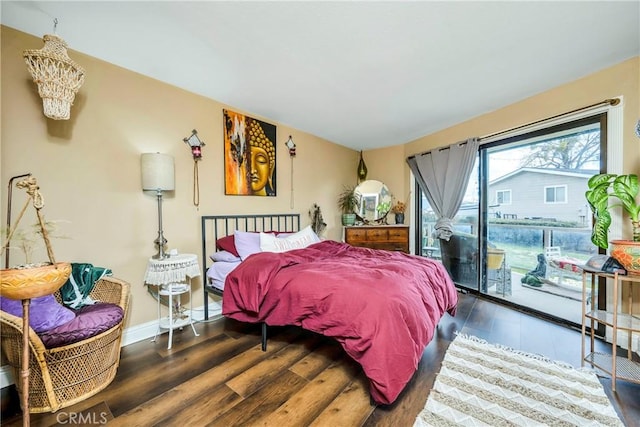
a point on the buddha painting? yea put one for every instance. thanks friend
(249, 156)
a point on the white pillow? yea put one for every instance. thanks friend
(299, 240)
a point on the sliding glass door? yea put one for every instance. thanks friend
(524, 226)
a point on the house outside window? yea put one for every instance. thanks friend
(503, 197)
(555, 194)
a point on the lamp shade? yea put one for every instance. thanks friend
(157, 172)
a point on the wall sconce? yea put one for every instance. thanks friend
(292, 153)
(195, 143)
(196, 150)
(362, 169)
(58, 77)
(291, 146)
(158, 175)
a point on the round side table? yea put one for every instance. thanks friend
(172, 276)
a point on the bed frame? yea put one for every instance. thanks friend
(217, 226)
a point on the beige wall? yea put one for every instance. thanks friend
(89, 167)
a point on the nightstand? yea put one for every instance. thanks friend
(172, 278)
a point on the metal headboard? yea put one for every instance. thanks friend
(217, 226)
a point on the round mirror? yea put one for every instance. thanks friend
(374, 200)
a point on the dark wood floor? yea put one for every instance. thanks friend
(222, 378)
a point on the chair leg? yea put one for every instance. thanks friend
(264, 337)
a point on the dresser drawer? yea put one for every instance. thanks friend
(390, 238)
(355, 235)
(397, 234)
(377, 234)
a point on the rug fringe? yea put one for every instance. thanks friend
(534, 356)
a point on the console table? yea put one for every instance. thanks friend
(172, 277)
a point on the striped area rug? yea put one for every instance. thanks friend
(482, 384)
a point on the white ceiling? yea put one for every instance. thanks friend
(362, 74)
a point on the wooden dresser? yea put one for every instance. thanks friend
(388, 237)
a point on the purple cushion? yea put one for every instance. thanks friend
(44, 312)
(90, 321)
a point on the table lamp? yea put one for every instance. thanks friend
(158, 175)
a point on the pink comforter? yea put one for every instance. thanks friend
(381, 306)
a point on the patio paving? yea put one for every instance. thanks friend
(564, 301)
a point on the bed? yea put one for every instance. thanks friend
(381, 306)
(215, 228)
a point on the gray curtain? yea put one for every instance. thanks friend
(443, 174)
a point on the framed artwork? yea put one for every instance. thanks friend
(249, 156)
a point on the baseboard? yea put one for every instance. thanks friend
(129, 336)
(6, 376)
(148, 330)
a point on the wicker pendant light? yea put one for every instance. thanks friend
(58, 77)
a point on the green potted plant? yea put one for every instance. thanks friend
(348, 202)
(624, 188)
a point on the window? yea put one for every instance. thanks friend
(555, 194)
(503, 197)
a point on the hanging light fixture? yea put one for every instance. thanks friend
(58, 77)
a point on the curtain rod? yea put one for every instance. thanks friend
(612, 101)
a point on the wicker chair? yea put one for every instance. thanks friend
(62, 376)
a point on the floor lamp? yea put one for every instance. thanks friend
(158, 175)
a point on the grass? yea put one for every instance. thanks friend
(523, 259)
